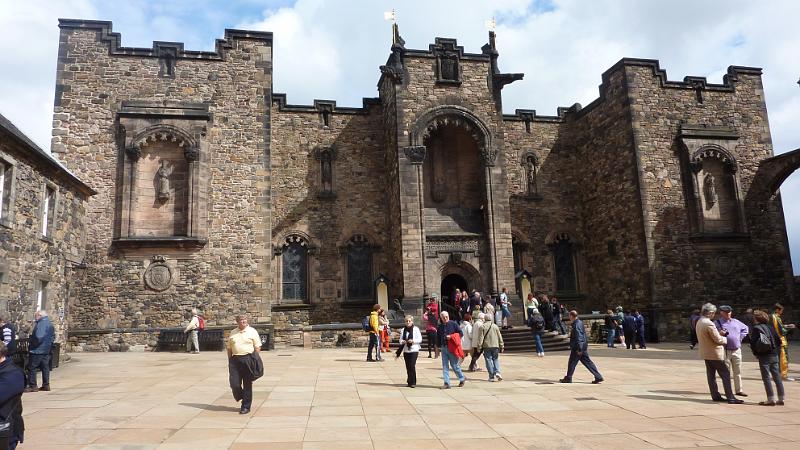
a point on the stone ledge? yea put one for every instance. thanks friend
(160, 242)
(292, 307)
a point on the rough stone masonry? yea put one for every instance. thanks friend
(214, 192)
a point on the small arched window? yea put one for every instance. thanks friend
(359, 268)
(294, 258)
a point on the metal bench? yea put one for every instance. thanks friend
(175, 337)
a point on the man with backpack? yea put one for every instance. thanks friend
(371, 324)
(195, 325)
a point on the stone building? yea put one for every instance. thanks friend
(42, 232)
(215, 192)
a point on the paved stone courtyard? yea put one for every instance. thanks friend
(313, 399)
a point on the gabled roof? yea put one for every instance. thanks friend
(42, 157)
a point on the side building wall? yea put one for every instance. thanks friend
(222, 98)
(29, 261)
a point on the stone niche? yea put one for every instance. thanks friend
(162, 191)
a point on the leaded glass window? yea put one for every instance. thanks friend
(565, 264)
(359, 268)
(295, 269)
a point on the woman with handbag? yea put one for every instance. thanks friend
(12, 384)
(410, 340)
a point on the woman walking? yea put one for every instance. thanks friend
(536, 322)
(766, 344)
(410, 340)
(466, 334)
(431, 320)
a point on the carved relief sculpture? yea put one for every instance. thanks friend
(710, 190)
(439, 188)
(449, 63)
(162, 182)
(327, 172)
(158, 275)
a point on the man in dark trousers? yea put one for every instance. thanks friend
(12, 384)
(639, 328)
(629, 329)
(579, 351)
(39, 345)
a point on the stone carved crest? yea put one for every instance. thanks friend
(415, 153)
(158, 275)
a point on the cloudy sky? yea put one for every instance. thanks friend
(332, 49)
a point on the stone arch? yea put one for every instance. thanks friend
(293, 267)
(284, 237)
(772, 172)
(465, 270)
(714, 151)
(164, 132)
(716, 190)
(440, 116)
(565, 262)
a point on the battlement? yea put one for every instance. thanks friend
(175, 49)
(324, 105)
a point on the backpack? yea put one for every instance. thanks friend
(537, 323)
(201, 323)
(762, 345)
(365, 323)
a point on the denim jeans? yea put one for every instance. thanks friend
(373, 344)
(611, 336)
(491, 356)
(770, 368)
(42, 362)
(451, 360)
(585, 360)
(538, 339)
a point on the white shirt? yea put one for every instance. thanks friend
(466, 337)
(416, 338)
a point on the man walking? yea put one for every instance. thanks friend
(579, 351)
(39, 345)
(712, 351)
(449, 330)
(244, 344)
(491, 342)
(735, 331)
(192, 343)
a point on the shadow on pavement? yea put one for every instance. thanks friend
(664, 397)
(208, 407)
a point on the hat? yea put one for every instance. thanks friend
(725, 308)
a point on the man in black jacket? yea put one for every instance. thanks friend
(12, 384)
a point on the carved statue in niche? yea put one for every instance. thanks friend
(327, 172)
(162, 181)
(710, 190)
(449, 65)
(531, 170)
(439, 188)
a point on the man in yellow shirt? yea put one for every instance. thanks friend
(242, 342)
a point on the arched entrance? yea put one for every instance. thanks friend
(449, 284)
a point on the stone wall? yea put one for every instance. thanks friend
(691, 266)
(328, 220)
(224, 275)
(27, 258)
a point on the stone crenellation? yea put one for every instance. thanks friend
(214, 192)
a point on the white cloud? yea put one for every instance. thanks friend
(332, 49)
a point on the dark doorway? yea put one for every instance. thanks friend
(449, 284)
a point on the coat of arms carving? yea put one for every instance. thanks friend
(158, 275)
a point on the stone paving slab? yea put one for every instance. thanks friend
(333, 399)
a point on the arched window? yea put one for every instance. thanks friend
(359, 268)
(294, 258)
(716, 192)
(564, 261)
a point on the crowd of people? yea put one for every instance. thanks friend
(627, 329)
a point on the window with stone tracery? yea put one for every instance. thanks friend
(294, 265)
(359, 268)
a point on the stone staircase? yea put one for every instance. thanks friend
(520, 340)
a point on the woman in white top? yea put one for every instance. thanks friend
(466, 336)
(410, 340)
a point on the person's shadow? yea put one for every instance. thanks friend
(207, 407)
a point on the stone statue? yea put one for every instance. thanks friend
(162, 181)
(327, 173)
(710, 190)
(531, 175)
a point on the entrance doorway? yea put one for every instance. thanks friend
(449, 284)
